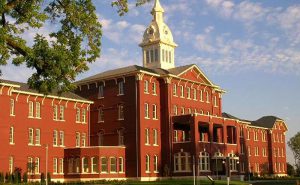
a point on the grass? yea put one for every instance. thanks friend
(184, 182)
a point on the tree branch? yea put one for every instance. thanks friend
(3, 21)
(12, 5)
(16, 47)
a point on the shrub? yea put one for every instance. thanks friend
(25, 177)
(43, 178)
(48, 178)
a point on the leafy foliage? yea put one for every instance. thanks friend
(294, 144)
(66, 52)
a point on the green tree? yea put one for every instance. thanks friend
(75, 43)
(294, 144)
(290, 169)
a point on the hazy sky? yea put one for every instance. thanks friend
(250, 48)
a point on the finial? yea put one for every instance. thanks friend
(157, 7)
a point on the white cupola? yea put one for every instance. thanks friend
(158, 45)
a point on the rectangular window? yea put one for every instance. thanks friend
(103, 165)
(146, 110)
(30, 136)
(163, 55)
(175, 136)
(94, 165)
(100, 115)
(37, 165)
(188, 92)
(147, 163)
(181, 92)
(121, 165)
(55, 111)
(121, 87)
(83, 114)
(201, 95)
(154, 107)
(101, 91)
(155, 162)
(30, 166)
(152, 56)
(37, 110)
(37, 137)
(195, 94)
(147, 136)
(147, 57)
(156, 55)
(83, 139)
(121, 112)
(215, 101)
(11, 136)
(170, 58)
(146, 87)
(77, 143)
(174, 90)
(61, 165)
(154, 88)
(55, 138)
(12, 107)
(30, 113)
(155, 142)
(113, 165)
(11, 164)
(61, 112)
(55, 166)
(77, 115)
(85, 165)
(175, 110)
(61, 138)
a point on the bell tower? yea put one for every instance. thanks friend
(158, 46)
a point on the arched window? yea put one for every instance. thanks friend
(37, 110)
(182, 162)
(207, 96)
(174, 90)
(30, 113)
(201, 95)
(204, 161)
(147, 137)
(155, 139)
(188, 92)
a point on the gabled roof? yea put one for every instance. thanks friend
(177, 71)
(265, 122)
(25, 87)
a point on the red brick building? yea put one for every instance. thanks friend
(136, 122)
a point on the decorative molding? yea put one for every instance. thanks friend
(139, 76)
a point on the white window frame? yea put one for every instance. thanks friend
(38, 137)
(155, 163)
(61, 138)
(11, 135)
(104, 165)
(55, 138)
(94, 165)
(121, 165)
(147, 163)
(30, 136)
(55, 167)
(204, 161)
(61, 113)
(55, 112)
(83, 139)
(11, 164)
(147, 137)
(113, 164)
(12, 107)
(120, 112)
(30, 109)
(154, 89)
(37, 109)
(146, 87)
(77, 115)
(181, 91)
(121, 88)
(155, 137)
(174, 90)
(37, 166)
(154, 111)
(146, 106)
(83, 115)
(188, 92)
(84, 165)
(77, 139)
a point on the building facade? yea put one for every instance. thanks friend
(144, 122)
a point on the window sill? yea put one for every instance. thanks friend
(154, 94)
(11, 143)
(100, 122)
(120, 94)
(156, 172)
(121, 172)
(103, 173)
(12, 115)
(147, 144)
(175, 95)
(146, 117)
(113, 172)
(155, 119)
(102, 97)
(204, 171)
(147, 172)
(120, 119)
(155, 145)
(146, 92)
